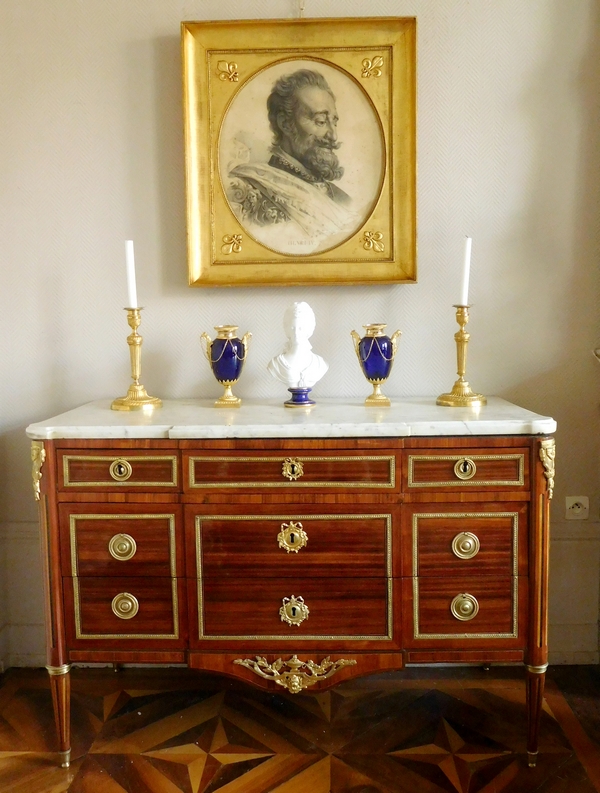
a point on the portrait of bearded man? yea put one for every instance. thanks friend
(295, 191)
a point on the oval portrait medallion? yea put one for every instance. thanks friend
(301, 156)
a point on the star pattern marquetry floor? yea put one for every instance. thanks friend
(172, 731)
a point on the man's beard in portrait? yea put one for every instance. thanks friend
(320, 158)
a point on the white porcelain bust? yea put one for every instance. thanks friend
(298, 366)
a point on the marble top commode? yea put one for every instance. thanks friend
(330, 418)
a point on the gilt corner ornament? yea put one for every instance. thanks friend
(38, 456)
(298, 675)
(548, 457)
(372, 67)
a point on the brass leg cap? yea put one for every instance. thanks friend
(65, 758)
(532, 759)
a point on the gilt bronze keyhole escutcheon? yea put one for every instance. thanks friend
(294, 610)
(120, 470)
(292, 536)
(292, 469)
(465, 468)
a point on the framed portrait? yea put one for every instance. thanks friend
(300, 151)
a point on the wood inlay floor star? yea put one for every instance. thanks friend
(173, 731)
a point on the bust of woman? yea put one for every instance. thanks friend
(298, 366)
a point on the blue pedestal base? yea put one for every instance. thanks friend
(300, 398)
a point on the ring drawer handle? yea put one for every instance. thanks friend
(120, 470)
(465, 468)
(464, 607)
(465, 545)
(125, 606)
(294, 610)
(292, 536)
(122, 547)
(292, 468)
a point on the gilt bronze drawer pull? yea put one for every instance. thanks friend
(125, 606)
(465, 545)
(464, 607)
(465, 468)
(294, 611)
(292, 468)
(122, 547)
(120, 470)
(292, 536)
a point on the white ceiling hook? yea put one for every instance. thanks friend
(301, 6)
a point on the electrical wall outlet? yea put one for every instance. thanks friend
(577, 507)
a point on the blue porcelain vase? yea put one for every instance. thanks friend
(376, 352)
(226, 355)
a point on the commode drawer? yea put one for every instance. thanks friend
(289, 470)
(125, 609)
(299, 608)
(99, 471)
(453, 609)
(468, 469)
(288, 544)
(466, 538)
(121, 540)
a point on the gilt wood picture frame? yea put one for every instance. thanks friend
(300, 144)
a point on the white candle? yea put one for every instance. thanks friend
(130, 265)
(464, 290)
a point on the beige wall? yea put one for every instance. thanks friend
(91, 153)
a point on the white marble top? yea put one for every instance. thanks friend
(329, 418)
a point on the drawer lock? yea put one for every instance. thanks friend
(465, 468)
(294, 611)
(122, 547)
(465, 545)
(464, 607)
(125, 606)
(292, 536)
(120, 470)
(292, 469)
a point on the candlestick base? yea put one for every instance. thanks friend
(136, 399)
(461, 396)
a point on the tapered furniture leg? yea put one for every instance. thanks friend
(60, 685)
(536, 678)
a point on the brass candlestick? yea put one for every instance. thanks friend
(461, 395)
(136, 397)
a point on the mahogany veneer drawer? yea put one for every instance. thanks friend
(465, 608)
(93, 469)
(149, 609)
(290, 470)
(468, 469)
(290, 544)
(121, 540)
(250, 608)
(460, 539)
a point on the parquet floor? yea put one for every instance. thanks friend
(175, 731)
